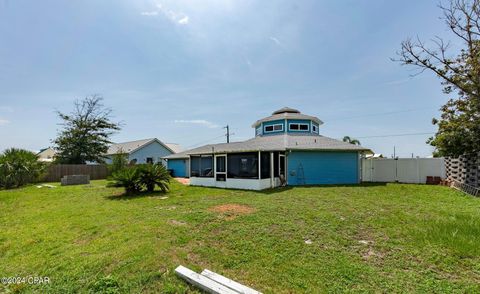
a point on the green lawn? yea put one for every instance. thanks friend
(372, 238)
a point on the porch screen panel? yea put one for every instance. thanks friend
(202, 166)
(242, 165)
(265, 165)
(195, 166)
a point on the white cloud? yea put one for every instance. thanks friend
(275, 40)
(4, 122)
(150, 13)
(202, 122)
(184, 20)
(174, 16)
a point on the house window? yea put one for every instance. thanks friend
(242, 166)
(273, 128)
(202, 166)
(258, 131)
(149, 160)
(314, 128)
(298, 127)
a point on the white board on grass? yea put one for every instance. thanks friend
(229, 283)
(202, 282)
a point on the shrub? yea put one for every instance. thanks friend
(141, 177)
(19, 167)
(152, 175)
(119, 162)
(128, 178)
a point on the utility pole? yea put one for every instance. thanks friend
(228, 133)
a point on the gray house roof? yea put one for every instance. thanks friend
(274, 143)
(132, 146)
(287, 113)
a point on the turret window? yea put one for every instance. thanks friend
(273, 128)
(299, 127)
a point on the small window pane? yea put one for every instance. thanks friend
(293, 126)
(265, 165)
(278, 127)
(221, 164)
(269, 129)
(304, 127)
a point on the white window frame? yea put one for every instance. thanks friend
(258, 131)
(215, 167)
(273, 128)
(299, 124)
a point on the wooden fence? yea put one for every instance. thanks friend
(56, 171)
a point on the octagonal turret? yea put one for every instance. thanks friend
(287, 120)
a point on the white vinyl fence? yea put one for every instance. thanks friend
(403, 170)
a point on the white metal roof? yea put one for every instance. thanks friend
(132, 146)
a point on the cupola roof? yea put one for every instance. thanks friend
(287, 113)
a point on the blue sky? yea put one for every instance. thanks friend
(180, 70)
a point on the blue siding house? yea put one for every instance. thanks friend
(143, 151)
(179, 167)
(287, 150)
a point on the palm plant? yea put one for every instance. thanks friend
(152, 175)
(128, 178)
(19, 167)
(351, 140)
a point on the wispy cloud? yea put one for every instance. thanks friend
(149, 13)
(202, 122)
(4, 122)
(174, 16)
(276, 41)
(248, 62)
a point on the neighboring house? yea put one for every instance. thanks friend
(46, 154)
(143, 151)
(374, 156)
(287, 149)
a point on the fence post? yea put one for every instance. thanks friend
(419, 181)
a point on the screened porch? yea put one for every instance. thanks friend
(246, 170)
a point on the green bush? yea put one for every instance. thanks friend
(152, 175)
(119, 162)
(138, 178)
(128, 178)
(19, 167)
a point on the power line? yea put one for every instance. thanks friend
(396, 135)
(206, 141)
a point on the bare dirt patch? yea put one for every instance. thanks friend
(184, 181)
(177, 223)
(232, 211)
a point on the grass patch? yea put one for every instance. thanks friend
(371, 238)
